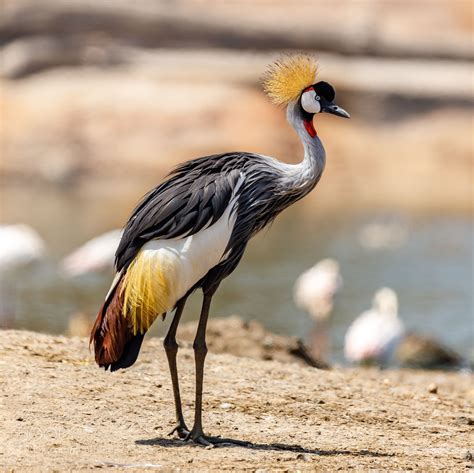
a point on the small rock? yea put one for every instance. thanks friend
(433, 388)
(303, 456)
(469, 456)
(321, 402)
(20, 419)
(225, 405)
(268, 342)
(465, 420)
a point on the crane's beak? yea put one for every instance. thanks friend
(330, 107)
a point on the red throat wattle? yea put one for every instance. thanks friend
(308, 124)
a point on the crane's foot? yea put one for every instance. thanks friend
(182, 431)
(209, 441)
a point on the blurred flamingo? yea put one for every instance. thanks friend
(374, 335)
(314, 292)
(93, 256)
(20, 245)
(315, 289)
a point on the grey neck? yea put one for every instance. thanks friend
(302, 177)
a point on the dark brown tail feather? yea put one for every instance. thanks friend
(115, 345)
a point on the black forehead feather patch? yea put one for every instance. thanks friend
(323, 89)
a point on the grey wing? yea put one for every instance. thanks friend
(188, 201)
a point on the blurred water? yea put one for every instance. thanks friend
(432, 271)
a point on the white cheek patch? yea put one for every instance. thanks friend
(309, 102)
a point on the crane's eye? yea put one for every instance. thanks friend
(310, 101)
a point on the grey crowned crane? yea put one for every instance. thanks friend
(191, 231)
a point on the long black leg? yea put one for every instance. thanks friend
(200, 352)
(171, 348)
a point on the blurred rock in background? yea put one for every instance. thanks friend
(114, 90)
(250, 339)
(418, 351)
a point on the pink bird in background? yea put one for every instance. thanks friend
(20, 245)
(314, 292)
(93, 256)
(315, 289)
(373, 336)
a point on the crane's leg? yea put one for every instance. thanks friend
(200, 352)
(171, 348)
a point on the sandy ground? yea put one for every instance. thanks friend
(60, 412)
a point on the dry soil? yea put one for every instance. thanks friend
(60, 412)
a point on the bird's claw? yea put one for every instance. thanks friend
(182, 431)
(201, 440)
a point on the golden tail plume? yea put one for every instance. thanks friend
(136, 299)
(115, 344)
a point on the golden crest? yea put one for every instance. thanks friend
(287, 77)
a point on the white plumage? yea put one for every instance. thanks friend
(374, 335)
(315, 289)
(188, 259)
(19, 245)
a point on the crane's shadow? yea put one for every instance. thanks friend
(279, 447)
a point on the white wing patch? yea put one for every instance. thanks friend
(192, 257)
(165, 270)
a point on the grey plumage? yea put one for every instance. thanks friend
(196, 194)
(194, 228)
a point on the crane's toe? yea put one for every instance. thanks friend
(202, 440)
(182, 431)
